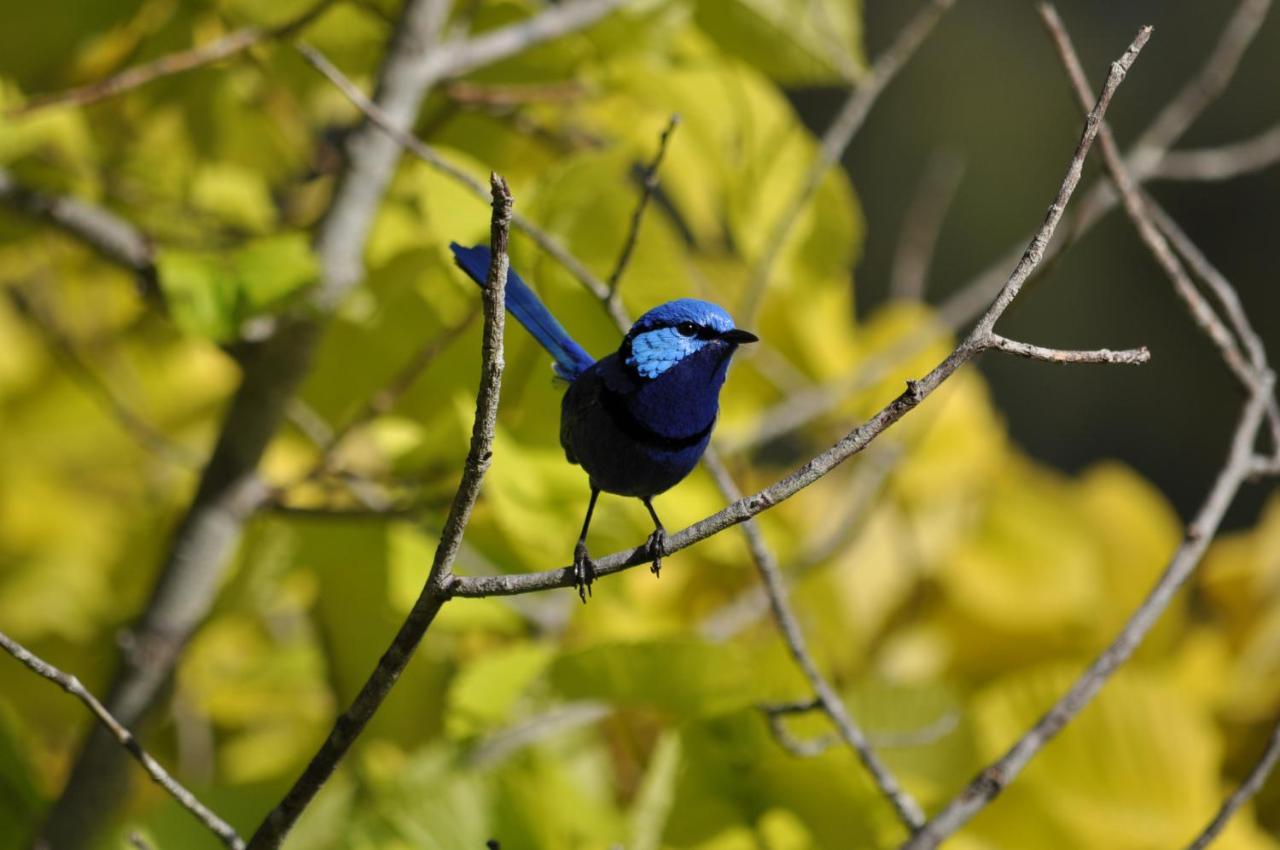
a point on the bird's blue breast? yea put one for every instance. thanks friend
(636, 436)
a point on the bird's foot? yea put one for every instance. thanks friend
(657, 546)
(584, 570)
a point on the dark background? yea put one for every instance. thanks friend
(988, 88)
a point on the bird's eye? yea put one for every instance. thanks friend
(687, 329)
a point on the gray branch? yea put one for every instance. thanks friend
(102, 230)
(1251, 785)
(970, 299)
(125, 739)
(435, 592)
(1241, 463)
(907, 809)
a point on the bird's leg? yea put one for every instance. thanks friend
(657, 543)
(584, 570)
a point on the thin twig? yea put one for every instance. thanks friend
(970, 299)
(436, 589)
(994, 778)
(922, 225)
(837, 139)
(907, 809)
(1252, 785)
(225, 47)
(647, 187)
(226, 834)
(1201, 311)
(1127, 357)
(102, 230)
(857, 439)
(1204, 88)
(1224, 162)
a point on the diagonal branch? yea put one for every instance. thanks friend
(994, 778)
(1252, 785)
(102, 230)
(647, 187)
(225, 832)
(435, 592)
(970, 299)
(837, 138)
(827, 699)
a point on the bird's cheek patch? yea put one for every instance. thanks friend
(655, 352)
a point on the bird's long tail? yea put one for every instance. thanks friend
(571, 360)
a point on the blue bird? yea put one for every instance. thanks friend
(637, 420)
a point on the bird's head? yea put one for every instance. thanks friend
(677, 330)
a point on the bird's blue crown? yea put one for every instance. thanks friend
(670, 332)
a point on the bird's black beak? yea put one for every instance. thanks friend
(737, 336)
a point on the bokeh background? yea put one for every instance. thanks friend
(952, 581)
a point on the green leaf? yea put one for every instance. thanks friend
(794, 43)
(684, 677)
(212, 293)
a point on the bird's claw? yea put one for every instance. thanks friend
(657, 546)
(584, 570)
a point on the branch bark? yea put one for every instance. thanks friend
(435, 592)
(225, 833)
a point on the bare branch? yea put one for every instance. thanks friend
(435, 592)
(970, 299)
(648, 186)
(857, 439)
(102, 230)
(1128, 357)
(229, 45)
(125, 738)
(922, 225)
(1135, 206)
(1222, 163)
(1204, 88)
(904, 805)
(1251, 785)
(995, 777)
(837, 138)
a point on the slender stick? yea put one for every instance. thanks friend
(994, 778)
(125, 738)
(970, 299)
(908, 277)
(1252, 785)
(837, 139)
(904, 805)
(435, 592)
(649, 184)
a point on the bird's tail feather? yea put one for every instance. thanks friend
(570, 358)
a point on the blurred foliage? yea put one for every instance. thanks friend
(962, 598)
